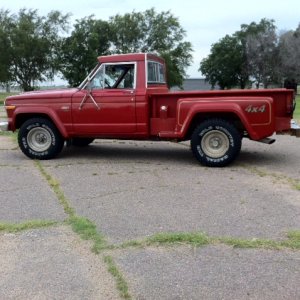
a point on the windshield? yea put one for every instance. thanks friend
(84, 82)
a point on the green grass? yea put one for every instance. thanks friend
(196, 239)
(121, 283)
(55, 186)
(34, 224)
(88, 231)
(297, 110)
(3, 96)
(199, 239)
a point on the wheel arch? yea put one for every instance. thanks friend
(200, 117)
(23, 117)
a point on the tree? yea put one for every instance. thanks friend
(289, 51)
(154, 32)
(32, 43)
(89, 39)
(224, 65)
(249, 54)
(5, 46)
(260, 43)
(147, 31)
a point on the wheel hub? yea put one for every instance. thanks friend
(215, 144)
(39, 139)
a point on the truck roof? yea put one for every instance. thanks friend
(129, 57)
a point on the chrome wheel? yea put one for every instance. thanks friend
(39, 139)
(215, 144)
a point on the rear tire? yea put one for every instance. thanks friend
(39, 139)
(216, 143)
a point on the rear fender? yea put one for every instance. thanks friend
(255, 113)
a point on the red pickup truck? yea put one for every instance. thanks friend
(126, 97)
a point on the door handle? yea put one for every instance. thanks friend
(131, 92)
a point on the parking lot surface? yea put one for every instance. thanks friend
(133, 190)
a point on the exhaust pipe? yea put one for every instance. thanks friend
(268, 141)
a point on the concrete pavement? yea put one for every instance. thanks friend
(132, 190)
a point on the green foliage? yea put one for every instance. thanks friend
(289, 52)
(225, 64)
(249, 55)
(147, 31)
(6, 22)
(154, 32)
(31, 42)
(89, 39)
(260, 44)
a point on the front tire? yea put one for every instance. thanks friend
(216, 143)
(39, 139)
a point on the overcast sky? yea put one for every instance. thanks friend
(204, 21)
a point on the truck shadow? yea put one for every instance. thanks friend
(158, 153)
(118, 152)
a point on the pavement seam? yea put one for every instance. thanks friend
(294, 183)
(86, 229)
(28, 225)
(199, 239)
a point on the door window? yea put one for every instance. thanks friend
(114, 76)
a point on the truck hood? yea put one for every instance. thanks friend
(45, 94)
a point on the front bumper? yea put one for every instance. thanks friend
(3, 126)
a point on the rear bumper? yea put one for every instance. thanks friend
(3, 126)
(295, 129)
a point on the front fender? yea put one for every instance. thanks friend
(32, 111)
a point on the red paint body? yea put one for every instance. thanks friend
(151, 111)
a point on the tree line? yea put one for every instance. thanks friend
(254, 54)
(34, 48)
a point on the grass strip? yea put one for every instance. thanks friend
(80, 225)
(196, 239)
(121, 283)
(249, 244)
(13, 135)
(34, 224)
(199, 239)
(55, 186)
(87, 230)
(294, 183)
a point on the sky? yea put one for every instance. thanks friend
(205, 22)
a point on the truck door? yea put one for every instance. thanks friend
(106, 105)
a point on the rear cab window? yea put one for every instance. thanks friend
(155, 73)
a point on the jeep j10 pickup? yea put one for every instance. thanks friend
(126, 97)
